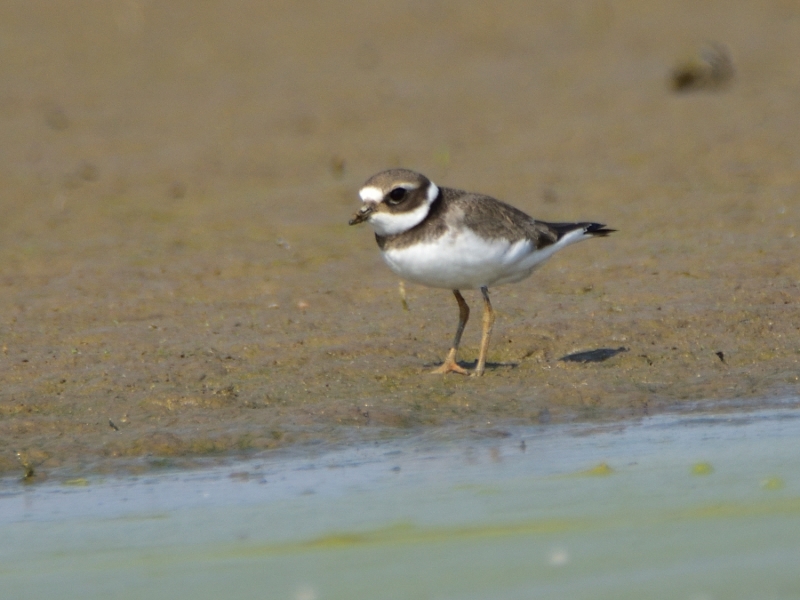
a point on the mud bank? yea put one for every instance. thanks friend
(177, 278)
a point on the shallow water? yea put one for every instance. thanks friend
(693, 505)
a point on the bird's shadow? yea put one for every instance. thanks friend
(470, 365)
(593, 356)
(585, 356)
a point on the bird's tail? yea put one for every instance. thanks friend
(587, 229)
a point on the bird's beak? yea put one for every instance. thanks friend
(362, 215)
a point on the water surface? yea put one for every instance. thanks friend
(696, 505)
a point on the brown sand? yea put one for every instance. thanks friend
(177, 178)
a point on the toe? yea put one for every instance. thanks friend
(450, 367)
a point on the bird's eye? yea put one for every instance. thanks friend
(396, 195)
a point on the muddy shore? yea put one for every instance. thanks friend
(177, 277)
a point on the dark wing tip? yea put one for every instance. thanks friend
(598, 229)
(562, 229)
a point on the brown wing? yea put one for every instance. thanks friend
(497, 219)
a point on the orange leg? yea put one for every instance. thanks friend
(450, 365)
(488, 323)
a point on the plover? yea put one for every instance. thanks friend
(448, 238)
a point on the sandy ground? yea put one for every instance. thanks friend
(177, 178)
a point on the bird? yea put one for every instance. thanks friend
(448, 238)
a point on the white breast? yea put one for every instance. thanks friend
(458, 261)
(463, 260)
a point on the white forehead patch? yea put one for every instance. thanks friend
(370, 193)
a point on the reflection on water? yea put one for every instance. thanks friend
(673, 506)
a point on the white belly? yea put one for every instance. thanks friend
(464, 261)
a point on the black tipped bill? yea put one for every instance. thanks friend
(362, 215)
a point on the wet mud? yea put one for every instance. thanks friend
(178, 280)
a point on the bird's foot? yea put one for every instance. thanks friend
(450, 366)
(478, 371)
